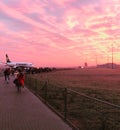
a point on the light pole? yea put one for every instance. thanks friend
(96, 61)
(108, 60)
(112, 56)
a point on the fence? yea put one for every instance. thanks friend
(79, 110)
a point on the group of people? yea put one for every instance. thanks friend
(19, 78)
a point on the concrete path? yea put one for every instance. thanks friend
(24, 111)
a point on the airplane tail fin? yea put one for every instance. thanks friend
(7, 59)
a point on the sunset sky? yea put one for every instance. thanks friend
(60, 33)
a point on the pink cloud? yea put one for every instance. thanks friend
(63, 31)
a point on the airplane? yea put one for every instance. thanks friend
(17, 64)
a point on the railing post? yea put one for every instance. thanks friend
(46, 84)
(103, 121)
(36, 85)
(65, 103)
(30, 82)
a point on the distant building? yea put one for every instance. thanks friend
(108, 65)
(85, 65)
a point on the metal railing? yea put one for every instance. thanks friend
(79, 110)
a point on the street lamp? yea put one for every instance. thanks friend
(112, 56)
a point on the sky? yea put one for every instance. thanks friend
(60, 33)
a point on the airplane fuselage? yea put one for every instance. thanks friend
(19, 64)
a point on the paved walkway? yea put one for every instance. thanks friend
(24, 111)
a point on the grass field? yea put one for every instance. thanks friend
(99, 83)
(95, 78)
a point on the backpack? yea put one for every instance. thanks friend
(16, 82)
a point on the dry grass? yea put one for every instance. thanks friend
(100, 83)
(87, 114)
(85, 78)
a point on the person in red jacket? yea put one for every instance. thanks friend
(19, 81)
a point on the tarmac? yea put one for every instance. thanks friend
(24, 111)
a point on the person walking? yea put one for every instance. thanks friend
(19, 81)
(7, 74)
